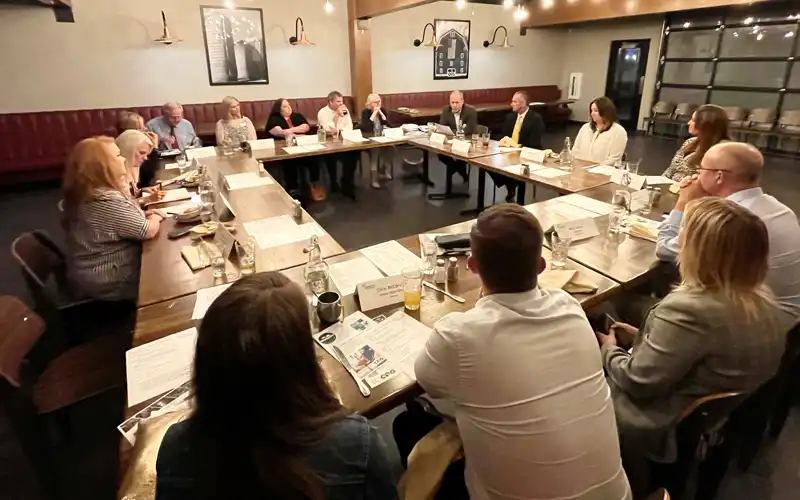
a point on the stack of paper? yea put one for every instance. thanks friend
(391, 257)
(247, 180)
(382, 139)
(602, 169)
(314, 147)
(549, 173)
(567, 212)
(201, 152)
(346, 275)
(293, 150)
(655, 180)
(159, 366)
(205, 297)
(282, 230)
(577, 200)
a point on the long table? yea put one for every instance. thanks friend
(435, 112)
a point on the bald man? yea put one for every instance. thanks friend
(733, 170)
(172, 129)
(458, 115)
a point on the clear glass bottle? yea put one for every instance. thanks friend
(566, 153)
(205, 189)
(316, 272)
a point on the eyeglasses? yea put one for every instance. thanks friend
(715, 169)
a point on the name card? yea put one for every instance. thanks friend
(224, 237)
(461, 147)
(577, 230)
(380, 293)
(262, 144)
(201, 152)
(352, 135)
(224, 210)
(437, 138)
(305, 140)
(640, 200)
(532, 154)
(394, 133)
(636, 181)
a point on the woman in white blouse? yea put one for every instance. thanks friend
(234, 129)
(602, 140)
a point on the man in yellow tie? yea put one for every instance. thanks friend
(522, 127)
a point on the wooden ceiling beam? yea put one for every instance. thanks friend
(371, 8)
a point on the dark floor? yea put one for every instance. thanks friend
(87, 460)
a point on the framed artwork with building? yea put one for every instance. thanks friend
(451, 57)
(235, 49)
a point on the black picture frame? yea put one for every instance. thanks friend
(450, 34)
(250, 58)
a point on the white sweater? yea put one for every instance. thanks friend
(602, 147)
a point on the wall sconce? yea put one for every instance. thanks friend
(301, 38)
(505, 45)
(433, 42)
(166, 38)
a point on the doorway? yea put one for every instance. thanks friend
(627, 64)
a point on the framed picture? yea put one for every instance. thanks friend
(235, 48)
(451, 58)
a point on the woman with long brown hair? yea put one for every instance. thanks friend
(602, 140)
(104, 224)
(266, 424)
(708, 126)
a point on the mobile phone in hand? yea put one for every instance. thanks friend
(609, 322)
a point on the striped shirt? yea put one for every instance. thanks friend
(104, 247)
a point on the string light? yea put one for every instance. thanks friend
(520, 14)
(328, 6)
(507, 4)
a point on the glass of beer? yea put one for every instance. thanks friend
(412, 288)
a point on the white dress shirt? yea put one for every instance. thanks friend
(602, 147)
(325, 119)
(783, 276)
(532, 405)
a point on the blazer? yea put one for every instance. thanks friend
(469, 117)
(692, 344)
(366, 124)
(530, 134)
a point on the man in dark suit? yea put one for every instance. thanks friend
(454, 115)
(523, 127)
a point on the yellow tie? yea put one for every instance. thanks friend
(515, 133)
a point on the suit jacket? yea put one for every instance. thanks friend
(469, 117)
(530, 134)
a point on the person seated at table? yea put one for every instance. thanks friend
(104, 224)
(373, 120)
(458, 116)
(522, 127)
(602, 140)
(266, 423)
(524, 372)
(172, 129)
(733, 170)
(719, 331)
(234, 129)
(284, 123)
(130, 120)
(709, 126)
(135, 147)
(335, 118)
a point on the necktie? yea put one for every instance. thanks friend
(517, 126)
(173, 139)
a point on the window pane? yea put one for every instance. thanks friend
(690, 73)
(751, 16)
(791, 101)
(769, 41)
(714, 19)
(794, 79)
(692, 43)
(676, 95)
(750, 74)
(747, 100)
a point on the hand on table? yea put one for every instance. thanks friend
(157, 212)
(155, 193)
(691, 189)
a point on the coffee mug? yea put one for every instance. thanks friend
(329, 307)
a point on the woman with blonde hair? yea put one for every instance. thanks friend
(135, 147)
(104, 224)
(708, 126)
(234, 129)
(373, 121)
(131, 120)
(718, 331)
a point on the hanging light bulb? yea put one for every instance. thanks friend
(328, 6)
(520, 14)
(507, 4)
(460, 4)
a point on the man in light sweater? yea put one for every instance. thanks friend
(335, 118)
(524, 373)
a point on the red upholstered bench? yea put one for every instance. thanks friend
(34, 146)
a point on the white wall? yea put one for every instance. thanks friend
(107, 57)
(398, 66)
(586, 50)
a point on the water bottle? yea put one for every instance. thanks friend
(321, 134)
(566, 153)
(377, 128)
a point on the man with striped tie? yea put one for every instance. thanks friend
(522, 127)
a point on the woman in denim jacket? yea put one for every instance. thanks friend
(266, 424)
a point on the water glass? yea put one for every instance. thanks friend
(615, 219)
(476, 139)
(429, 251)
(183, 162)
(485, 140)
(622, 198)
(633, 166)
(321, 134)
(560, 251)
(214, 251)
(431, 129)
(289, 138)
(412, 288)
(246, 251)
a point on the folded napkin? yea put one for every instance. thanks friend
(566, 279)
(192, 257)
(644, 229)
(675, 188)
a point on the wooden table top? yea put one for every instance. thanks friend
(479, 107)
(165, 318)
(578, 180)
(210, 129)
(332, 146)
(164, 273)
(447, 149)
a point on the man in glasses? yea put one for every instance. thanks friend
(733, 170)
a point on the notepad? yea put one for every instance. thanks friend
(247, 180)
(170, 196)
(281, 230)
(549, 173)
(602, 169)
(159, 366)
(314, 147)
(293, 150)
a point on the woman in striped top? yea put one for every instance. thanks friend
(105, 225)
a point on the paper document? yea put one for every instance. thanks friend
(346, 275)
(566, 212)
(179, 209)
(391, 257)
(655, 180)
(640, 227)
(178, 399)
(159, 366)
(382, 139)
(577, 200)
(506, 149)
(549, 173)
(207, 152)
(281, 230)
(262, 144)
(247, 180)
(204, 299)
(314, 147)
(174, 166)
(602, 169)
(444, 129)
(169, 196)
(293, 150)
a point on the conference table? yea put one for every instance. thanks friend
(435, 112)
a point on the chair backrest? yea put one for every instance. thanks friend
(735, 113)
(20, 329)
(40, 258)
(761, 115)
(664, 108)
(659, 494)
(685, 109)
(481, 129)
(790, 118)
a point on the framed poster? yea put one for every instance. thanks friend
(235, 49)
(451, 58)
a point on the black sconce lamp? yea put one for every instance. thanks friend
(433, 41)
(301, 38)
(505, 45)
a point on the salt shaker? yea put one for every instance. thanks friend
(439, 275)
(297, 209)
(526, 169)
(452, 270)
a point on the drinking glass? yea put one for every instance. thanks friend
(559, 250)
(633, 166)
(321, 135)
(485, 140)
(615, 218)
(183, 162)
(289, 138)
(246, 251)
(622, 198)
(412, 288)
(431, 129)
(429, 251)
(214, 251)
(476, 139)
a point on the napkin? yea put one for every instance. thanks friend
(193, 258)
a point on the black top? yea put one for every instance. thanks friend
(366, 123)
(147, 171)
(530, 134)
(276, 120)
(469, 117)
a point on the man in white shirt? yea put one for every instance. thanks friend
(457, 116)
(733, 170)
(335, 118)
(522, 367)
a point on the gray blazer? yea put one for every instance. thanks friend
(692, 344)
(469, 117)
